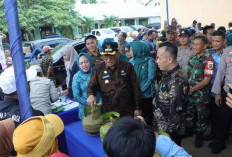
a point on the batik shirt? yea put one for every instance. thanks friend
(45, 63)
(199, 68)
(119, 87)
(169, 103)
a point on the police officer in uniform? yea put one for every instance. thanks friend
(185, 50)
(218, 43)
(221, 88)
(117, 82)
(200, 70)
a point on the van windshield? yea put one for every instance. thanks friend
(108, 31)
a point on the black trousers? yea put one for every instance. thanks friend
(224, 121)
(213, 115)
(177, 139)
(147, 110)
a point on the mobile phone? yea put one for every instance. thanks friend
(230, 91)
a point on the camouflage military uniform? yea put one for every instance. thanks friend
(197, 110)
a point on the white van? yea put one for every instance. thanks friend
(103, 33)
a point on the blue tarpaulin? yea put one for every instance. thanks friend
(11, 13)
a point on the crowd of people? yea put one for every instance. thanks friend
(178, 83)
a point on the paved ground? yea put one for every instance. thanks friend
(188, 144)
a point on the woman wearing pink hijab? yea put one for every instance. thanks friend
(70, 55)
(7, 128)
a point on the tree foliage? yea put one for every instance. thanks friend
(110, 21)
(36, 13)
(86, 24)
(88, 1)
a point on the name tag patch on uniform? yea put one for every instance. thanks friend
(230, 52)
(210, 64)
(105, 77)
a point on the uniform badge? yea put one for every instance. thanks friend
(210, 64)
(230, 59)
(106, 77)
(123, 73)
(108, 48)
(107, 81)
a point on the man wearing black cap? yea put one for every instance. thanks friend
(198, 28)
(185, 50)
(171, 36)
(117, 82)
(193, 25)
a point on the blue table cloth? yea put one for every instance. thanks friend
(68, 117)
(80, 144)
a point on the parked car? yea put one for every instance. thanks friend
(103, 33)
(155, 25)
(122, 29)
(136, 27)
(53, 42)
(58, 61)
(52, 35)
(29, 47)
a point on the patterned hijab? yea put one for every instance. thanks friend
(7, 128)
(70, 52)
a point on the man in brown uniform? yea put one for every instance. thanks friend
(117, 82)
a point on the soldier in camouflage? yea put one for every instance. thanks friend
(200, 70)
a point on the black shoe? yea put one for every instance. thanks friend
(188, 132)
(209, 137)
(212, 144)
(198, 140)
(216, 149)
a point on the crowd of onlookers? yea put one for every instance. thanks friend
(177, 83)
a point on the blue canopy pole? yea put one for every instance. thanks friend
(167, 13)
(11, 13)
